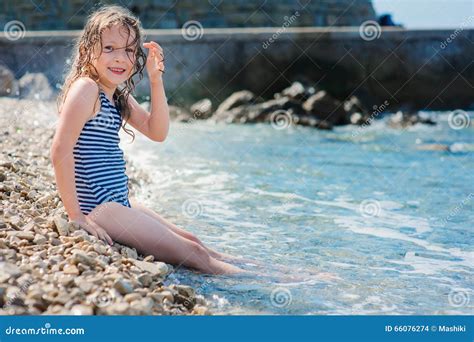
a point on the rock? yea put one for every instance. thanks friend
(149, 258)
(123, 286)
(84, 285)
(145, 279)
(81, 309)
(143, 306)
(407, 119)
(237, 99)
(99, 248)
(324, 107)
(201, 109)
(306, 120)
(155, 268)
(296, 92)
(179, 114)
(35, 86)
(186, 301)
(81, 257)
(260, 112)
(71, 269)
(161, 296)
(129, 252)
(117, 308)
(184, 290)
(200, 310)
(130, 297)
(66, 280)
(61, 225)
(39, 239)
(7, 271)
(8, 84)
(15, 222)
(3, 177)
(25, 235)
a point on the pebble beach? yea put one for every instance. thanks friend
(50, 266)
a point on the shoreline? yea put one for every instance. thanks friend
(48, 266)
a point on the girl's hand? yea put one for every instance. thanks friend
(155, 61)
(93, 228)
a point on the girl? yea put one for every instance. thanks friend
(95, 102)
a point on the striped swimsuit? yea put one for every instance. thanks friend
(99, 163)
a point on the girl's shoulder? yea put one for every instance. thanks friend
(83, 95)
(86, 84)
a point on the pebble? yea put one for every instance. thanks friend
(71, 269)
(123, 286)
(155, 268)
(50, 265)
(25, 235)
(61, 226)
(129, 252)
(82, 310)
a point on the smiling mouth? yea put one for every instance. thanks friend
(117, 71)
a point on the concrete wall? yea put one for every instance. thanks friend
(411, 69)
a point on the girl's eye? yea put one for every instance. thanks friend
(108, 49)
(129, 50)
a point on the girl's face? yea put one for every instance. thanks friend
(117, 58)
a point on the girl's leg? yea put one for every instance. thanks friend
(185, 234)
(130, 226)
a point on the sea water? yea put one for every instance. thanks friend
(350, 221)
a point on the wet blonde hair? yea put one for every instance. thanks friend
(90, 39)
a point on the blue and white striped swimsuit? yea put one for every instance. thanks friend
(99, 163)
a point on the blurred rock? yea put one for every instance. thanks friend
(201, 109)
(35, 86)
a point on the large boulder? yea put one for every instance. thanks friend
(355, 110)
(239, 98)
(8, 84)
(407, 119)
(324, 107)
(35, 86)
(260, 112)
(179, 114)
(297, 91)
(202, 109)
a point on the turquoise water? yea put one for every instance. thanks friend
(353, 221)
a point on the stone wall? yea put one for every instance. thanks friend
(156, 14)
(412, 69)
